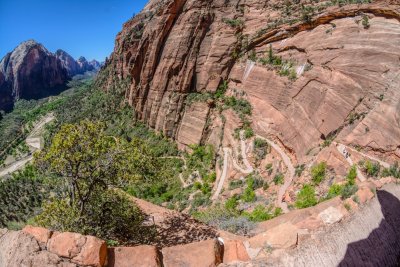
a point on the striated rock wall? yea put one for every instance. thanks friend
(346, 73)
(171, 49)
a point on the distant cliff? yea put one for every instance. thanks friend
(30, 71)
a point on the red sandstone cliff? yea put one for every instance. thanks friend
(346, 84)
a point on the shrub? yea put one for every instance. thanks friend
(365, 22)
(393, 170)
(351, 177)
(261, 148)
(279, 178)
(235, 184)
(232, 203)
(234, 23)
(237, 225)
(253, 55)
(201, 159)
(318, 172)
(225, 219)
(249, 195)
(371, 169)
(348, 190)
(221, 90)
(110, 215)
(197, 97)
(248, 132)
(200, 200)
(306, 197)
(240, 106)
(299, 170)
(259, 214)
(206, 188)
(335, 190)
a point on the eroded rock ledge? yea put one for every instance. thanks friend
(332, 233)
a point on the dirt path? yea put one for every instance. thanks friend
(244, 155)
(342, 149)
(16, 166)
(34, 141)
(383, 163)
(222, 178)
(288, 178)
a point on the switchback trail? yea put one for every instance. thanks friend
(342, 149)
(34, 142)
(221, 180)
(288, 178)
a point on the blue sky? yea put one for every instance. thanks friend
(80, 27)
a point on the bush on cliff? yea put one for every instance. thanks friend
(318, 172)
(92, 165)
(306, 197)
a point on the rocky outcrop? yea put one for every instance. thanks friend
(95, 64)
(205, 253)
(84, 65)
(174, 228)
(75, 67)
(329, 234)
(30, 72)
(368, 238)
(345, 72)
(40, 247)
(68, 62)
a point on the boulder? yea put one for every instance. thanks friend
(235, 251)
(331, 215)
(310, 223)
(133, 257)
(199, 254)
(364, 194)
(67, 245)
(93, 253)
(42, 235)
(281, 236)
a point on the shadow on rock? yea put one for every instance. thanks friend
(382, 246)
(179, 230)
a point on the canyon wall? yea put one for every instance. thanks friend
(338, 80)
(30, 71)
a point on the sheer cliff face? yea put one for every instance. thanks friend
(68, 62)
(29, 72)
(343, 63)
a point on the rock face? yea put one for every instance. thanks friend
(29, 72)
(68, 62)
(79, 66)
(134, 256)
(40, 247)
(344, 86)
(95, 64)
(32, 72)
(205, 253)
(370, 238)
